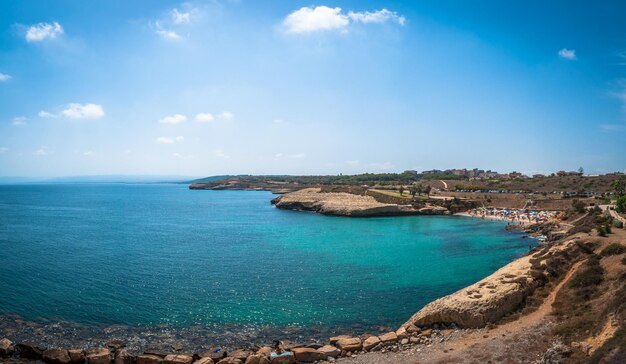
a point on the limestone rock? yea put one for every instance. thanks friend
(265, 351)
(370, 342)
(56, 356)
(76, 356)
(149, 359)
(349, 344)
(240, 354)
(329, 351)
(29, 351)
(334, 339)
(402, 333)
(307, 355)
(257, 359)
(122, 356)
(6, 347)
(98, 356)
(177, 359)
(388, 337)
(215, 354)
(204, 361)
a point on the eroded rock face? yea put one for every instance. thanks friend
(149, 359)
(207, 361)
(76, 356)
(56, 356)
(488, 300)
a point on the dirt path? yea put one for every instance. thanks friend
(445, 185)
(520, 341)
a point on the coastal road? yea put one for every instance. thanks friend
(445, 185)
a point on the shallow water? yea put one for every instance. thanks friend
(148, 255)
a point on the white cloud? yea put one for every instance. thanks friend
(86, 111)
(180, 18)
(168, 34)
(42, 31)
(19, 121)
(379, 16)
(169, 140)
(45, 114)
(4, 77)
(173, 119)
(225, 115)
(568, 54)
(164, 140)
(205, 117)
(88, 153)
(220, 154)
(324, 18)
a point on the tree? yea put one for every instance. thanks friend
(427, 190)
(620, 205)
(581, 171)
(619, 186)
(420, 189)
(413, 191)
(401, 189)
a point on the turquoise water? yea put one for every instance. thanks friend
(101, 254)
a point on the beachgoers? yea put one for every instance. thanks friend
(513, 215)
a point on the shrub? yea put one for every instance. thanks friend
(589, 276)
(613, 249)
(601, 231)
(578, 205)
(620, 205)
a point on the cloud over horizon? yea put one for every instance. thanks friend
(82, 111)
(310, 19)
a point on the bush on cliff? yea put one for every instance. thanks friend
(589, 276)
(613, 249)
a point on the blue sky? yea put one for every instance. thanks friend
(292, 87)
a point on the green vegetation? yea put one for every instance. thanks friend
(619, 186)
(578, 206)
(613, 249)
(620, 205)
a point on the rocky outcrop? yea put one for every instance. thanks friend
(345, 204)
(493, 297)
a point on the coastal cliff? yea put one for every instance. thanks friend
(348, 204)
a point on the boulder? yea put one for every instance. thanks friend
(307, 355)
(206, 360)
(6, 347)
(427, 333)
(239, 354)
(334, 339)
(283, 359)
(412, 329)
(370, 342)
(388, 337)
(29, 351)
(177, 359)
(257, 359)
(122, 356)
(402, 333)
(98, 356)
(56, 356)
(149, 359)
(230, 360)
(265, 351)
(404, 341)
(76, 356)
(349, 344)
(329, 351)
(156, 352)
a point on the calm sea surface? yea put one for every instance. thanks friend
(104, 254)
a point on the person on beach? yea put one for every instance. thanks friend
(278, 349)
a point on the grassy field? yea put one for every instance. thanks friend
(394, 193)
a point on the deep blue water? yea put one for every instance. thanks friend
(101, 254)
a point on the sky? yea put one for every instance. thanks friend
(218, 87)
